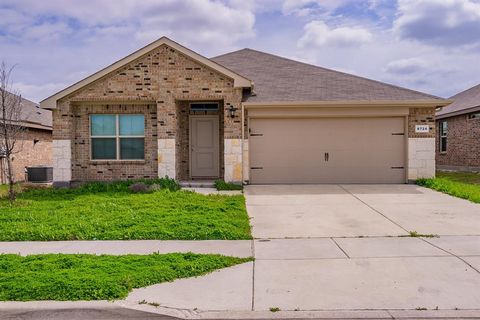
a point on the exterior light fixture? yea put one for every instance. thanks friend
(231, 111)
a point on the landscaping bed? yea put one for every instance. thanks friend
(100, 211)
(89, 277)
(465, 185)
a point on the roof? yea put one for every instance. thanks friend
(33, 116)
(282, 80)
(464, 102)
(239, 81)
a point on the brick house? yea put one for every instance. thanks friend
(246, 116)
(458, 132)
(35, 147)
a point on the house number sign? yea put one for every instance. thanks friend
(422, 128)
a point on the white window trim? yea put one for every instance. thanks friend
(442, 134)
(117, 136)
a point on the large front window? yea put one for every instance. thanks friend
(117, 136)
(443, 136)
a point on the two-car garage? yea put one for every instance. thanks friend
(327, 147)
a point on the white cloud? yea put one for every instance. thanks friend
(318, 34)
(197, 21)
(406, 66)
(439, 22)
(308, 7)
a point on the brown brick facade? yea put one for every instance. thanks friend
(419, 116)
(35, 149)
(463, 144)
(165, 78)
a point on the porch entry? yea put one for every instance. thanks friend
(204, 146)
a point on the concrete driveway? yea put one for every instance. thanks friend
(333, 251)
(311, 211)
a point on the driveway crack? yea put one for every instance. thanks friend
(341, 249)
(380, 213)
(452, 254)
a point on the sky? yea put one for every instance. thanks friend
(427, 45)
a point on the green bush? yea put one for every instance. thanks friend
(222, 185)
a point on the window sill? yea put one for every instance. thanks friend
(117, 161)
(443, 152)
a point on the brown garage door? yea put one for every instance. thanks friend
(327, 150)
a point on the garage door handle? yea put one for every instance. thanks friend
(327, 156)
(256, 134)
(256, 168)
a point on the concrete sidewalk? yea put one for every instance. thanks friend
(235, 248)
(336, 274)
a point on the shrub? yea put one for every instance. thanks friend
(154, 187)
(139, 187)
(222, 185)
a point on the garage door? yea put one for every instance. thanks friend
(327, 150)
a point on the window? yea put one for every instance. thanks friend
(204, 106)
(117, 136)
(474, 115)
(443, 136)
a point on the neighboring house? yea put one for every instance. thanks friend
(245, 116)
(458, 133)
(35, 147)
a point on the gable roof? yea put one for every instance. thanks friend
(278, 79)
(239, 81)
(32, 116)
(464, 102)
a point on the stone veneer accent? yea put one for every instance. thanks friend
(246, 161)
(421, 158)
(62, 161)
(233, 160)
(166, 158)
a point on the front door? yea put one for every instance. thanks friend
(204, 147)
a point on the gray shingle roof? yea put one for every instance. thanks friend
(463, 102)
(34, 116)
(281, 79)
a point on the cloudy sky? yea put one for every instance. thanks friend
(427, 45)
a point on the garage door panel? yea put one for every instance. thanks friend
(360, 150)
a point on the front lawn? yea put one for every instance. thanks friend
(90, 277)
(113, 212)
(465, 185)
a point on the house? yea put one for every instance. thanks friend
(458, 133)
(246, 116)
(35, 146)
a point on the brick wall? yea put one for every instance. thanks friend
(463, 144)
(421, 116)
(164, 76)
(31, 153)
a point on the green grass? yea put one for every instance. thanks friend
(464, 177)
(459, 184)
(90, 277)
(112, 212)
(221, 185)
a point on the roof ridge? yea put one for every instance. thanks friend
(335, 71)
(231, 52)
(477, 86)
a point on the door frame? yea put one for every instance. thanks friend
(216, 117)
